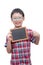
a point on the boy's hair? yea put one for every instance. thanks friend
(17, 10)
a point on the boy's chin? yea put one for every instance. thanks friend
(18, 26)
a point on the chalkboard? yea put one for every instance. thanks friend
(19, 34)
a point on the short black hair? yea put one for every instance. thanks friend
(17, 10)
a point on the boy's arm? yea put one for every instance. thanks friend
(36, 35)
(8, 48)
(8, 43)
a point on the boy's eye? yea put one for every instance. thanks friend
(20, 17)
(16, 19)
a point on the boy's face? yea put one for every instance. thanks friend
(17, 19)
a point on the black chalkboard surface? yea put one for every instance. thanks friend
(19, 34)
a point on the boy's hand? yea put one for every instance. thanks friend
(37, 37)
(9, 37)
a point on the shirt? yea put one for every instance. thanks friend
(20, 54)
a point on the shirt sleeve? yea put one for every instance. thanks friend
(30, 36)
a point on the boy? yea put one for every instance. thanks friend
(20, 51)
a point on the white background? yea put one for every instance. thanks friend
(33, 10)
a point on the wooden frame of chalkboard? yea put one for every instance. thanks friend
(19, 34)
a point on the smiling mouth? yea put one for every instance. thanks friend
(18, 26)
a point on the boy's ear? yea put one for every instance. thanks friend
(23, 18)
